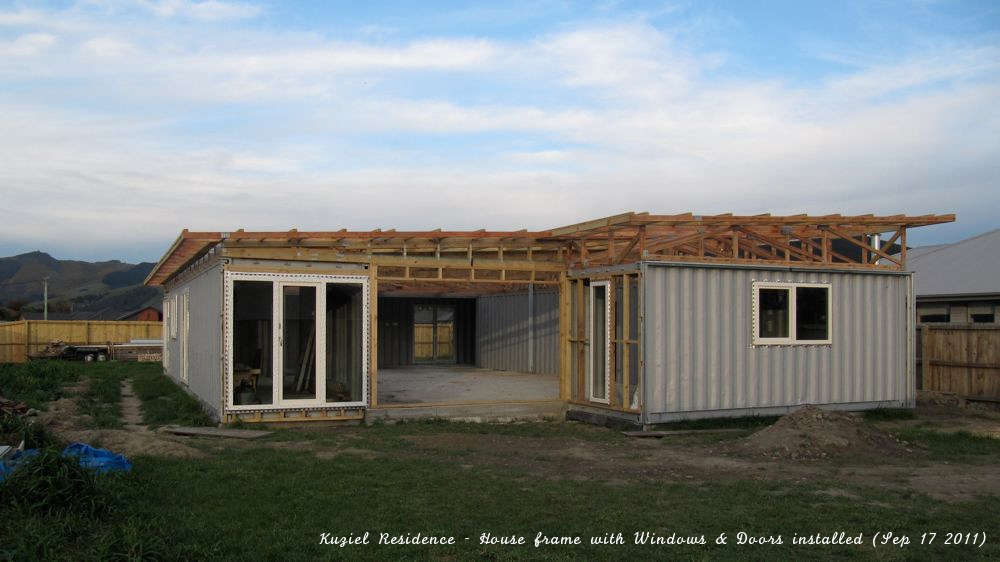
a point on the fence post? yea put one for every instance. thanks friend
(925, 361)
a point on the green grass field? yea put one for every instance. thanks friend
(275, 498)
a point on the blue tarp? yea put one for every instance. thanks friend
(101, 460)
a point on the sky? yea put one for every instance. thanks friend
(123, 122)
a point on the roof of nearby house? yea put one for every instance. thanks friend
(135, 312)
(101, 314)
(792, 240)
(966, 268)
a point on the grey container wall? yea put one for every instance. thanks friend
(699, 361)
(504, 333)
(204, 340)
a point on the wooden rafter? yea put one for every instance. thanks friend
(619, 239)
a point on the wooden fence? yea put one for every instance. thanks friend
(962, 359)
(18, 340)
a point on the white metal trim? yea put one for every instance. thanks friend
(320, 280)
(607, 343)
(792, 320)
(185, 336)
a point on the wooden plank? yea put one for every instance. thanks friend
(671, 433)
(218, 432)
(925, 362)
(564, 338)
(966, 364)
(592, 224)
(581, 336)
(626, 349)
(864, 247)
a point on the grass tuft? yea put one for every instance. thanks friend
(888, 414)
(14, 429)
(102, 399)
(36, 382)
(165, 403)
(952, 445)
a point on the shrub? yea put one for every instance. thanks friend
(36, 382)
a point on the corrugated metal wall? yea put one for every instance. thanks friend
(503, 332)
(699, 358)
(205, 337)
(395, 329)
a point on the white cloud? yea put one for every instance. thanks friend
(107, 46)
(264, 129)
(28, 45)
(205, 10)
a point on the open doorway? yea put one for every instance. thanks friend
(433, 333)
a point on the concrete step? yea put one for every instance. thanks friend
(498, 412)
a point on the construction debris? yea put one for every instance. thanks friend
(14, 408)
(813, 433)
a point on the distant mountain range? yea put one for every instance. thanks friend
(98, 291)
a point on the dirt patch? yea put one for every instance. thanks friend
(131, 443)
(813, 433)
(61, 417)
(330, 454)
(935, 398)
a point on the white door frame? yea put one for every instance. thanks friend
(319, 347)
(607, 343)
(279, 280)
(185, 322)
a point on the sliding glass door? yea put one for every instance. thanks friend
(296, 340)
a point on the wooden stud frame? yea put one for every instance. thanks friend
(801, 240)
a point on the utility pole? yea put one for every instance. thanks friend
(45, 298)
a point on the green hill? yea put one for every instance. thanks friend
(100, 290)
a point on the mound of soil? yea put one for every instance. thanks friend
(812, 433)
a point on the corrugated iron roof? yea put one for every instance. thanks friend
(969, 267)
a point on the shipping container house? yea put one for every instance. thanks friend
(637, 317)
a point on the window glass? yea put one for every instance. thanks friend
(934, 318)
(812, 305)
(772, 309)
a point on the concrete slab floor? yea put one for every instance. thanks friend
(462, 383)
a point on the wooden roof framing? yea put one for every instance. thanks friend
(801, 240)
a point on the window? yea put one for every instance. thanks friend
(173, 317)
(981, 313)
(791, 313)
(933, 313)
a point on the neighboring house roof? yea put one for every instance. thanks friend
(136, 312)
(967, 268)
(102, 314)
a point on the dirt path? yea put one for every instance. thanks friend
(133, 439)
(132, 409)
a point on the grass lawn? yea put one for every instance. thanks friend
(274, 499)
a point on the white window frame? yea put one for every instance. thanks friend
(279, 280)
(607, 343)
(792, 304)
(165, 333)
(173, 317)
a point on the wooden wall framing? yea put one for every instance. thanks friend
(624, 295)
